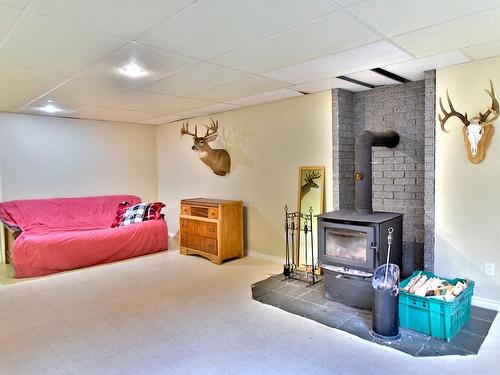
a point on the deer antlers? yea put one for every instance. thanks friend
(494, 109)
(210, 135)
(212, 129)
(313, 175)
(185, 130)
(482, 118)
(452, 113)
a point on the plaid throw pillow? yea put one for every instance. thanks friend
(122, 208)
(153, 211)
(134, 214)
(142, 212)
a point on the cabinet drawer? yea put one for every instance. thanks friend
(185, 210)
(207, 229)
(197, 242)
(213, 213)
(209, 245)
(189, 226)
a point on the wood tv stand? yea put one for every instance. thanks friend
(212, 228)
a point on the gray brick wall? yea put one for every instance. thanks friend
(430, 166)
(343, 148)
(399, 174)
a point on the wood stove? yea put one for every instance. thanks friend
(353, 243)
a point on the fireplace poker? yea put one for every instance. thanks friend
(389, 243)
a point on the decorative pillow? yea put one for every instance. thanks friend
(153, 211)
(133, 214)
(141, 212)
(122, 208)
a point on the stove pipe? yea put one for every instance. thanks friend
(363, 165)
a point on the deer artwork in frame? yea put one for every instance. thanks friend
(478, 130)
(309, 182)
(310, 196)
(216, 158)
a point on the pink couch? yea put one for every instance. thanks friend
(66, 233)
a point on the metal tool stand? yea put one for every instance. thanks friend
(298, 222)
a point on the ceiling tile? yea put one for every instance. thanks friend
(21, 4)
(415, 69)
(485, 50)
(204, 111)
(111, 114)
(103, 81)
(357, 59)
(177, 105)
(210, 28)
(344, 3)
(44, 45)
(122, 18)
(10, 104)
(372, 78)
(216, 108)
(156, 63)
(266, 97)
(161, 120)
(328, 84)
(18, 84)
(196, 78)
(8, 17)
(478, 28)
(90, 90)
(392, 17)
(331, 34)
(135, 99)
(244, 87)
(36, 107)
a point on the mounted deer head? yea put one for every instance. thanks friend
(309, 182)
(217, 159)
(478, 131)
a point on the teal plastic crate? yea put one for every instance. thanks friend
(435, 317)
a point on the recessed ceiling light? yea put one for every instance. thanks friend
(50, 108)
(132, 69)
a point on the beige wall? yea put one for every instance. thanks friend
(468, 195)
(43, 156)
(267, 144)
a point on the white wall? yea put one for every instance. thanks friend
(468, 195)
(43, 156)
(267, 144)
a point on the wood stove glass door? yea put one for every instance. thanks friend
(349, 245)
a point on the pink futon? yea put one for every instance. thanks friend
(66, 233)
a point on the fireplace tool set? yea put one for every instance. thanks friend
(295, 224)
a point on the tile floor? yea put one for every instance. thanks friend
(174, 314)
(297, 297)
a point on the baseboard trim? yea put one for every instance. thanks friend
(270, 258)
(486, 303)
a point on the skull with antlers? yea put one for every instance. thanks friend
(478, 131)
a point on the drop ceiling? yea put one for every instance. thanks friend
(208, 56)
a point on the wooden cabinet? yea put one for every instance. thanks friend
(212, 228)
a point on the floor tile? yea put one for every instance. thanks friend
(482, 313)
(174, 314)
(477, 326)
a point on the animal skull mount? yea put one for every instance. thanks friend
(217, 159)
(478, 131)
